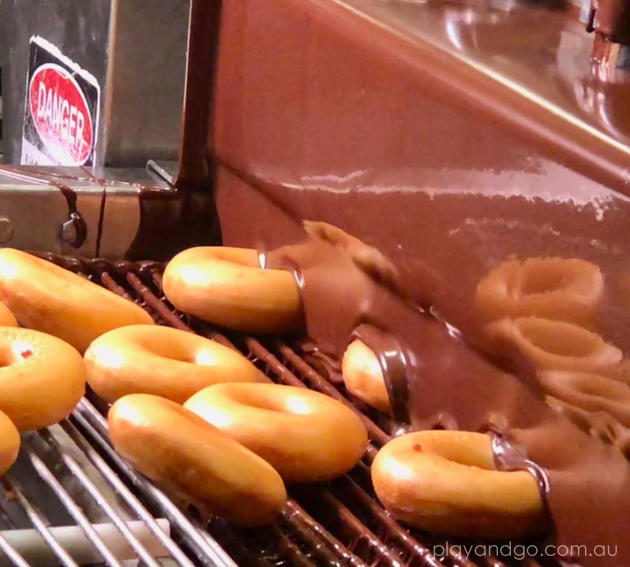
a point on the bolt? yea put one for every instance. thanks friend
(73, 231)
(6, 229)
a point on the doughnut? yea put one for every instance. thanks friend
(48, 298)
(42, 378)
(150, 359)
(598, 424)
(446, 482)
(225, 286)
(363, 376)
(9, 443)
(554, 345)
(306, 436)
(7, 319)
(567, 289)
(589, 392)
(195, 461)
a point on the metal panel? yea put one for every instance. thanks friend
(146, 81)
(67, 210)
(80, 29)
(138, 60)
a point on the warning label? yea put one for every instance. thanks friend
(61, 110)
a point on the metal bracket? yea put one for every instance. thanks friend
(112, 213)
(70, 211)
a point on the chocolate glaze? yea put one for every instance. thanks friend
(171, 221)
(443, 234)
(101, 216)
(612, 20)
(393, 361)
(453, 386)
(508, 458)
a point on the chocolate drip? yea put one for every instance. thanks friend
(172, 220)
(393, 362)
(507, 458)
(101, 215)
(326, 365)
(314, 533)
(39, 177)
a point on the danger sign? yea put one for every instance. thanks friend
(61, 115)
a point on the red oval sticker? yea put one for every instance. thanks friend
(61, 114)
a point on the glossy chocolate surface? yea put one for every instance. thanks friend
(612, 19)
(447, 143)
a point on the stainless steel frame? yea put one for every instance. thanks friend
(135, 49)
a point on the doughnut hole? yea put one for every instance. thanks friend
(12, 353)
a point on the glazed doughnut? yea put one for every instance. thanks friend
(589, 392)
(554, 345)
(9, 443)
(306, 436)
(48, 298)
(7, 319)
(150, 359)
(446, 482)
(567, 289)
(42, 378)
(363, 376)
(225, 286)
(194, 460)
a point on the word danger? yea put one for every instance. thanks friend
(60, 114)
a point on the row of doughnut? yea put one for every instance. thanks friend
(543, 311)
(441, 481)
(42, 372)
(191, 414)
(199, 418)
